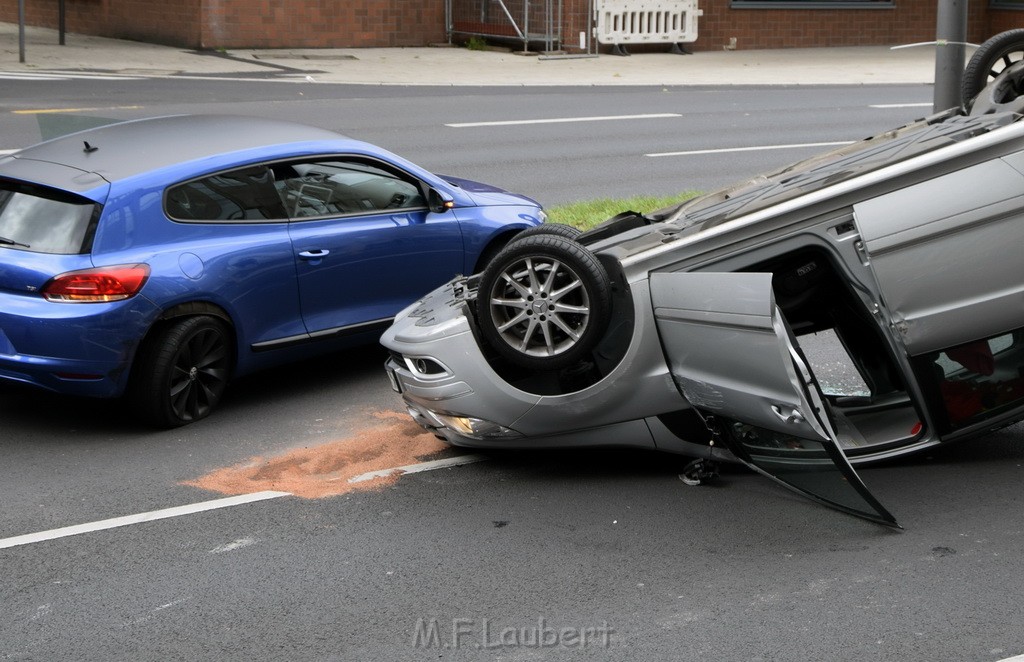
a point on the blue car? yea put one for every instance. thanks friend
(157, 259)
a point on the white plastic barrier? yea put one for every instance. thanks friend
(646, 22)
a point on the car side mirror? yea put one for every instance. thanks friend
(439, 202)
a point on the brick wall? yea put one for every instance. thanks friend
(322, 23)
(1001, 20)
(246, 23)
(377, 23)
(908, 21)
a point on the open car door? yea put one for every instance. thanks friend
(733, 357)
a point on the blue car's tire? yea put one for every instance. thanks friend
(992, 58)
(181, 371)
(544, 302)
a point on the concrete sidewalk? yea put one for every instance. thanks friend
(83, 54)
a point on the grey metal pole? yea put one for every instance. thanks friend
(21, 31)
(950, 35)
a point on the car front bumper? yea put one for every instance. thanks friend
(449, 387)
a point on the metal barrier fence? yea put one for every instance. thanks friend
(576, 24)
(622, 22)
(521, 20)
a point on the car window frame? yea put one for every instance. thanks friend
(398, 173)
(218, 221)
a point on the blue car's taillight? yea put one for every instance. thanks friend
(102, 284)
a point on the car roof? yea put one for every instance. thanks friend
(125, 149)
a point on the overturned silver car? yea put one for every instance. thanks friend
(856, 306)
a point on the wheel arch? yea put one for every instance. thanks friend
(191, 309)
(494, 246)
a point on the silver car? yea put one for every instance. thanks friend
(856, 306)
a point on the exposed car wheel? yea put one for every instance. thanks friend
(991, 59)
(181, 372)
(543, 302)
(1003, 95)
(497, 246)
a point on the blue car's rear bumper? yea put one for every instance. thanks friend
(77, 349)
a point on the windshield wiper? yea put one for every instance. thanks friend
(11, 242)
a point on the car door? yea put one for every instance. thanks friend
(733, 358)
(946, 256)
(365, 243)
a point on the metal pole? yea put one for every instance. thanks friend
(448, 22)
(526, 25)
(950, 35)
(21, 30)
(60, 20)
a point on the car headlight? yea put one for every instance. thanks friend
(475, 428)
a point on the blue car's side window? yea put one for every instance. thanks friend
(336, 187)
(246, 194)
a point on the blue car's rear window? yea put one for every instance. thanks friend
(43, 220)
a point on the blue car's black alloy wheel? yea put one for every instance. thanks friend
(181, 372)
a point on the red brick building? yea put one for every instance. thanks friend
(212, 24)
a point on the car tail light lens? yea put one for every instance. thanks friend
(99, 285)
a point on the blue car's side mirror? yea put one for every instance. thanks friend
(439, 202)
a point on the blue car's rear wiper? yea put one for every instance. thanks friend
(11, 242)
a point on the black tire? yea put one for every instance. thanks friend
(181, 371)
(499, 245)
(543, 302)
(991, 58)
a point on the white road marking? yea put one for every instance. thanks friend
(7, 151)
(416, 468)
(560, 120)
(139, 518)
(60, 75)
(156, 610)
(1015, 658)
(232, 546)
(727, 150)
(901, 105)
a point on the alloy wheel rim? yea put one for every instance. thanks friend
(540, 306)
(199, 375)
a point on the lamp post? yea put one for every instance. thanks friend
(950, 36)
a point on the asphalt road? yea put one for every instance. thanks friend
(524, 555)
(555, 162)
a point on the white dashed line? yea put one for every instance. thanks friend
(727, 150)
(416, 468)
(139, 518)
(560, 120)
(901, 105)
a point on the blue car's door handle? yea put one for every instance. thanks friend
(314, 254)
